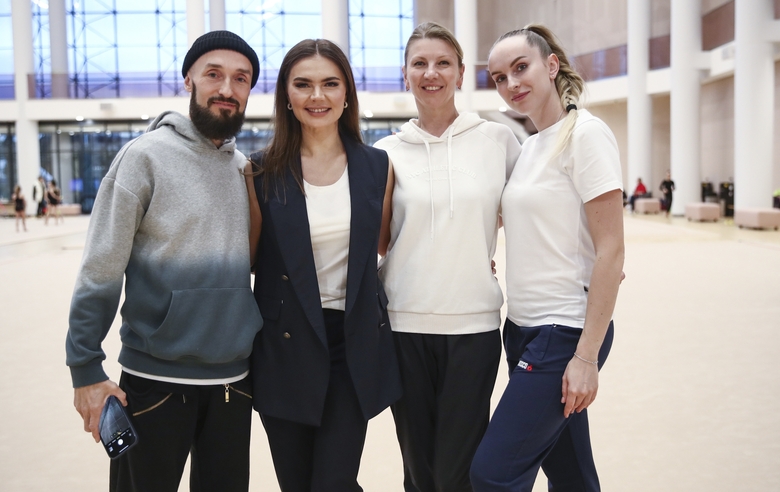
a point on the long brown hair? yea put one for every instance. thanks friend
(568, 82)
(281, 154)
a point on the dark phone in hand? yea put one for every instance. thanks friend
(116, 432)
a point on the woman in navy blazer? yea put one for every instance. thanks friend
(324, 363)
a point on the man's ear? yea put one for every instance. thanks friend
(188, 83)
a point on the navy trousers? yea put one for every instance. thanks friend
(528, 430)
(325, 458)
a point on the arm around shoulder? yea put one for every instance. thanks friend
(387, 210)
(255, 215)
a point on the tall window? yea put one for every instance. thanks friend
(41, 49)
(8, 162)
(378, 33)
(78, 155)
(116, 48)
(272, 27)
(6, 52)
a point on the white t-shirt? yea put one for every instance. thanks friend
(329, 209)
(550, 253)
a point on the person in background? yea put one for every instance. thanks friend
(667, 188)
(170, 222)
(20, 205)
(53, 200)
(39, 194)
(563, 219)
(449, 171)
(639, 192)
(324, 364)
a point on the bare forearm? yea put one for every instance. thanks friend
(602, 295)
(605, 221)
(255, 216)
(387, 212)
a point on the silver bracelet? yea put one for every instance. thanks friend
(586, 360)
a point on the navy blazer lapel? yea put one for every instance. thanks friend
(362, 242)
(291, 223)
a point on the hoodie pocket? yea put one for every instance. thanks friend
(209, 325)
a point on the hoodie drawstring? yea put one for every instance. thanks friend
(449, 178)
(449, 170)
(430, 184)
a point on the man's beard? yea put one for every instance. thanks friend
(214, 127)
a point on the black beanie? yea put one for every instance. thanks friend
(220, 40)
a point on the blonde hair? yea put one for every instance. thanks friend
(432, 30)
(568, 82)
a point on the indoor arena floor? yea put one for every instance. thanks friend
(685, 400)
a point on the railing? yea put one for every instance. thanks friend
(102, 85)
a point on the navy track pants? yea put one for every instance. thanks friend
(528, 430)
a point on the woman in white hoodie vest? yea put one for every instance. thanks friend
(444, 302)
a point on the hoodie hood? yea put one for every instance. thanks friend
(184, 127)
(413, 134)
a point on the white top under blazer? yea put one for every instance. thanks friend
(329, 210)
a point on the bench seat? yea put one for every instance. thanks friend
(647, 206)
(757, 218)
(702, 211)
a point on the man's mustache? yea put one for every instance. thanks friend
(230, 100)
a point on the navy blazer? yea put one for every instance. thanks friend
(290, 359)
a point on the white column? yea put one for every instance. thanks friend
(28, 151)
(640, 104)
(754, 86)
(685, 104)
(217, 15)
(466, 32)
(58, 41)
(196, 20)
(335, 23)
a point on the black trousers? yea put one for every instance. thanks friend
(445, 407)
(325, 458)
(173, 421)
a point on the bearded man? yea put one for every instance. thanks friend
(170, 222)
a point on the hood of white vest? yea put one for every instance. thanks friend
(413, 134)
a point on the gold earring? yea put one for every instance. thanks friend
(346, 104)
(289, 106)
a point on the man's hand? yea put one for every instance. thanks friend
(89, 401)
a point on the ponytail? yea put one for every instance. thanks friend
(568, 82)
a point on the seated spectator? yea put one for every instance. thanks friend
(639, 192)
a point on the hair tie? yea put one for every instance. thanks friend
(570, 107)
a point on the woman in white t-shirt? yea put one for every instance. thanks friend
(562, 212)
(444, 303)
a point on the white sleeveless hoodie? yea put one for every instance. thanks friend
(446, 200)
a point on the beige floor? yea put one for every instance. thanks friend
(685, 402)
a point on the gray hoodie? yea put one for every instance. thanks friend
(171, 220)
